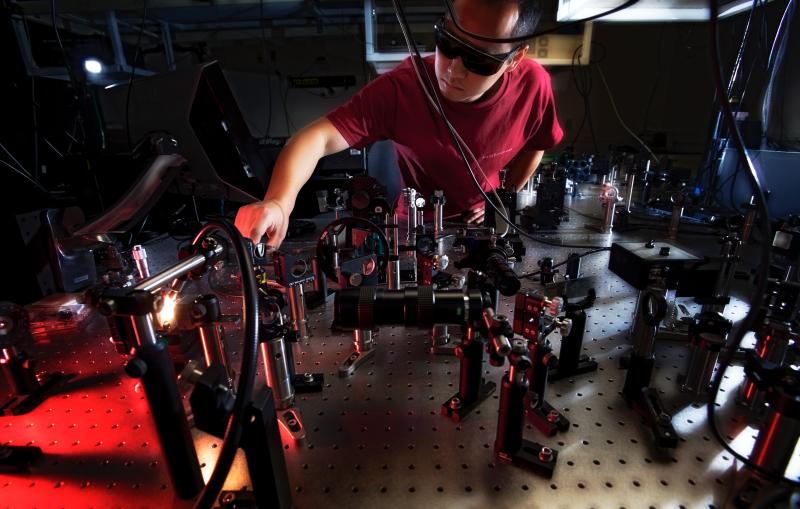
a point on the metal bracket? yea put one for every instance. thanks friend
(18, 405)
(532, 456)
(585, 365)
(544, 417)
(457, 409)
(352, 363)
(290, 420)
(308, 382)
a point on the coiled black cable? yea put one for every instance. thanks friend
(244, 391)
(326, 264)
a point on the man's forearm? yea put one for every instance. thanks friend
(297, 161)
(522, 168)
(294, 167)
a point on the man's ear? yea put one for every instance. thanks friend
(518, 56)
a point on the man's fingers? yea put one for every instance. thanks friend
(276, 237)
(256, 220)
(260, 228)
(475, 216)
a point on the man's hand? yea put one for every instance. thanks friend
(256, 219)
(475, 216)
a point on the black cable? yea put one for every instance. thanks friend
(695, 233)
(70, 73)
(582, 79)
(430, 89)
(525, 37)
(78, 101)
(579, 130)
(781, 136)
(758, 299)
(244, 390)
(133, 74)
(657, 218)
(564, 262)
(591, 125)
(656, 80)
(75, 85)
(771, 499)
(652, 227)
(712, 155)
(774, 65)
(732, 190)
(67, 65)
(24, 175)
(762, 4)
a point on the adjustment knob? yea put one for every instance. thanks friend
(136, 368)
(107, 307)
(524, 364)
(198, 311)
(564, 326)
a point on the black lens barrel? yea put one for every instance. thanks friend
(368, 307)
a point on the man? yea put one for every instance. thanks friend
(499, 102)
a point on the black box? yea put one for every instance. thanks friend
(632, 262)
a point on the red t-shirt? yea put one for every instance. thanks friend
(521, 115)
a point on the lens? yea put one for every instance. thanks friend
(444, 44)
(368, 307)
(480, 65)
(473, 61)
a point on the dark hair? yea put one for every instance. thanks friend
(530, 12)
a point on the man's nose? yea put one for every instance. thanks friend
(456, 68)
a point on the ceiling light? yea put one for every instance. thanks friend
(647, 10)
(93, 66)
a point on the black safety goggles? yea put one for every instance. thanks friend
(474, 59)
